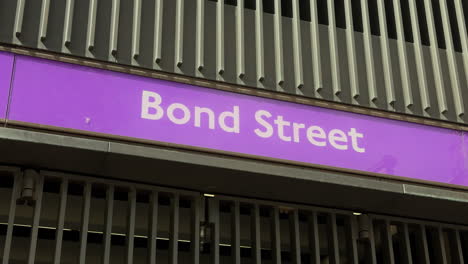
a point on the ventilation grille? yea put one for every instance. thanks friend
(56, 218)
(408, 56)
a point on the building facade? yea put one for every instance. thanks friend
(244, 131)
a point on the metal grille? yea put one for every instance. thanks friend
(50, 217)
(409, 56)
(53, 218)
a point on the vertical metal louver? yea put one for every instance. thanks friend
(420, 60)
(259, 44)
(67, 25)
(369, 51)
(50, 217)
(179, 33)
(278, 36)
(220, 66)
(408, 56)
(334, 53)
(240, 40)
(158, 24)
(453, 67)
(386, 58)
(435, 56)
(200, 37)
(351, 50)
(408, 100)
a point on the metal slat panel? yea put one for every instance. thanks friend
(240, 46)
(220, 37)
(61, 221)
(315, 43)
(452, 61)
(36, 217)
(346, 230)
(295, 236)
(275, 235)
(256, 235)
(108, 224)
(351, 48)
(11, 219)
(68, 24)
(420, 61)
(131, 225)
(332, 234)
(334, 54)
(18, 25)
(408, 258)
(369, 53)
(437, 68)
(153, 227)
(91, 31)
(174, 230)
(403, 56)
(235, 233)
(179, 33)
(421, 91)
(278, 32)
(387, 243)
(423, 247)
(200, 36)
(386, 57)
(114, 28)
(43, 21)
(195, 228)
(136, 30)
(158, 23)
(259, 42)
(297, 45)
(85, 223)
(463, 33)
(351, 239)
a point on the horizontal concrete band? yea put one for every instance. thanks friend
(229, 175)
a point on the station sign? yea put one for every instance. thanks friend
(87, 100)
(6, 69)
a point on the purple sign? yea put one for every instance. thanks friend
(86, 99)
(6, 68)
